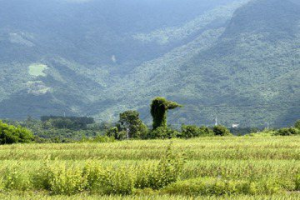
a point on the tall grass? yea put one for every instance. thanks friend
(224, 166)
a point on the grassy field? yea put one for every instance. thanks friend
(203, 168)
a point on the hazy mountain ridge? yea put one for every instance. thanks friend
(102, 58)
(241, 86)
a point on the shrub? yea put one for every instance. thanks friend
(60, 179)
(205, 131)
(206, 186)
(144, 175)
(95, 175)
(121, 181)
(158, 176)
(221, 131)
(10, 134)
(211, 186)
(287, 132)
(102, 180)
(15, 179)
(168, 170)
(163, 133)
(190, 131)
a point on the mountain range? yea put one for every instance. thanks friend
(234, 60)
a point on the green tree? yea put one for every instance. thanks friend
(190, 131)
(116, 133)
(287, 131)
(159, 109)
(163, 133)
(221, 130)
(130, 121)
(11, 134)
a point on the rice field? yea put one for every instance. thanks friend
(202, 168)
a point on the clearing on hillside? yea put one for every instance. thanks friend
(37, 70)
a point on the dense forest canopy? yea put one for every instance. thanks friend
(235, 60)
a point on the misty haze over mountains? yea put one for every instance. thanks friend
(238, 60)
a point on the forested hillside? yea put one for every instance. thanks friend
(237, 60)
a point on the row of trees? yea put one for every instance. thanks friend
(131, 126)
(72, 123)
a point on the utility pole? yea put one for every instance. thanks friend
(216, 121)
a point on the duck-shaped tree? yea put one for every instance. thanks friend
(159, 110)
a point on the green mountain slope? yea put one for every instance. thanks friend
(230, 59)
(248, 74)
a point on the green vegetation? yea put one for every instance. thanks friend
(204, 168)
(10, 134)
(287, 131)
(57, 129)
(64, 179)
(163, 133)
(37, 70)
(73, 123)
(219, 58)
(159, 110)
(214, 164)
(228, 59)
(131, 122)
(192, 131)
(221, 131)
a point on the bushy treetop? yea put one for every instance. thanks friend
(11, 134)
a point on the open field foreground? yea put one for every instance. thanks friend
(203, 168)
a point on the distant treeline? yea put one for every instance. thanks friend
(74, 123)
(129, 126)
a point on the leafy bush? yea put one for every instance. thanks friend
(15, 179)
(287, 132)
(168, 170)
(163, 133)
(121, 181)
(158, 176)
(73, 123)
(63, 179)
(10, 134)
(221, 131)
(190, 131)
(212, 186)
(102, 180)
(95, 175)
(60, 179)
